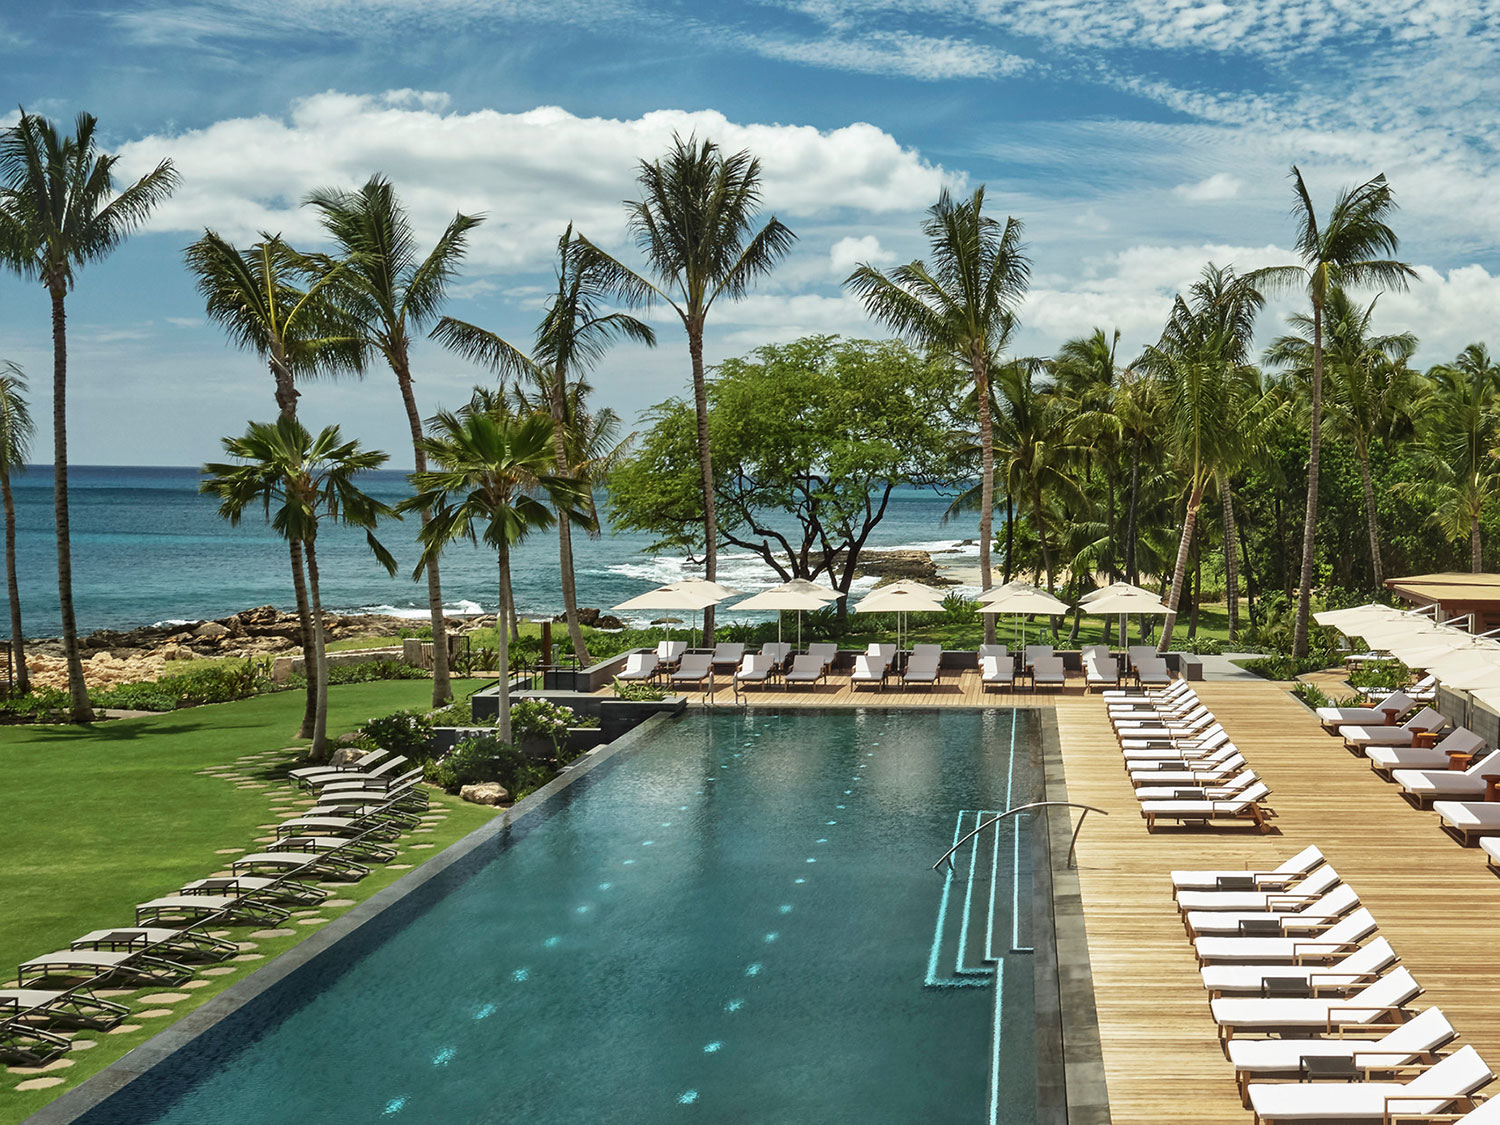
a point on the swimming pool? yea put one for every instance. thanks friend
(735, 921)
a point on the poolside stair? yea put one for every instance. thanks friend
(983, 910)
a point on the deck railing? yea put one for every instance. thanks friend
(947, 856)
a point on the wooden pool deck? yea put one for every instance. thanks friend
(1436, 902)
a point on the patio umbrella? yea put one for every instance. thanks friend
(901, 598)
(1123, 599)
(1021, 598)
(695, 594)
(812, 589)
(783, 597)
(668, 622)
(1356, 615)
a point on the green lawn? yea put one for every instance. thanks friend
(100, 819)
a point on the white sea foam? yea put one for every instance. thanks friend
(461, 608)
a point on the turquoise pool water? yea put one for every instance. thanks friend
(735, 921)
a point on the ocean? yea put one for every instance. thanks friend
(148, 548)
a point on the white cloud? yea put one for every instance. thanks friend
(894, 53)
(1219, 186)
(529, 172)
(850, 251)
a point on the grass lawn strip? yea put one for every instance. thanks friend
(129, 810)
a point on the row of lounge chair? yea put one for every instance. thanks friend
(360, 808)
(1181, 762)
(1312, 1003)
(1450, 775)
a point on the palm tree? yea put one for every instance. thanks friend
(15, 444)
(693, 224)
(573, 336)
(492, 474)
(1349, 250)
(301, 480)
(259, 297)
(59, 211)
(962, 306)
(1085, 375)
(1461, 429)
(1369, 386)
(1212, 405)
(391, 291)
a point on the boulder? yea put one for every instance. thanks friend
(594, 619)
(484, 793)
(346, 755)
(210, 630)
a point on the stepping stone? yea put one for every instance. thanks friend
(247, 946)
(115, 993)
(153, 1013)
(164, 998)
(42, 1083)
(265, 826)
(218, 933)
(196, 984)
(218, 971)
(418, 831)
(416, 847)
(270, 934)
(250, 957)
(307, 922)
(339, 902)
(304, 913)
(254, 785)
(398, 867)
(83, 1045)
(304, 804)
(55, 1064)
(222, 875)
(229, 851)
(263, 840)
(124, 1029)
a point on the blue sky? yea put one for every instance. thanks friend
(1137, 140)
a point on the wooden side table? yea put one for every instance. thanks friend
(1491, 786)
(1425, 739)
(1458, 760)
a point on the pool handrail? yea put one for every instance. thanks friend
(947, 856)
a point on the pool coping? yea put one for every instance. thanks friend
(1071, 1086)
(93, 1091)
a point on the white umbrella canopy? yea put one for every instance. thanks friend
(1111, 602)
(694, 594)
(813, 589)
(1357, 615)
(703, 586)
(899, 598)
(1022, 597)
(1116, 590)
(784, 597)
(1463, 667)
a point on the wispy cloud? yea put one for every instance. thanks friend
(1221, 185)
(897, 53)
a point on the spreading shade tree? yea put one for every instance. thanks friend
(59, 211)
(495, 479)
(1352, 248)
(695, 226)
(390, 290)
(961, 304)
(15, 445)
(300, 480)
(273, 301)
(575, 333)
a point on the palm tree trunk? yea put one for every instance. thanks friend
(1376, 570)
(318, 673)
(1010, 535)
(564, 525)
(986, 483)
(1179, 572)
(1041, 532)
(286, 404)
(502, 641)
(1475, 562)
(1231, 558)
(442, 684)
(705, 466)
(81, 712)
(1310, 524)
(22, 681)
(1197, 594)
(1135, 500)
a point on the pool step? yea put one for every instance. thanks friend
(983, 912)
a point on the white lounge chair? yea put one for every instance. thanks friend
(668, 653)
(366, 761)
(727, 654)
(1446, 1084)
(163, 941)
(1385, 712)
(1048, 671)
(1421, 787)
(780, 653)
(1467, 821)
(1151, 673)
(270, 889)
(1195, 744)
(69, 1007)
(193, 908)
(641, 667)
(1415, 1040)
(884, 654)
(1491, 850)
(1354, 970)
(1209, 789)
(318, 865)
(365, 851)
(1314, 884)
(925, 665)
(996, 668)
(1246, 806)
(124, 966)
(1284, 912)
(315, 778)
(825, 652)
(695, 667)
(1423, 691)
(1262, 878)
(1373, 1003)
(1034, 653)
(755, 668)
(367, 827)
(1425, 721)
(1384, 759)
(1212, 772)
(1149, 697)
(868, 672)
(393, 785)
(1318, 944)
(806, 669)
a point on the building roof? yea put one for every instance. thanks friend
(1453, 586)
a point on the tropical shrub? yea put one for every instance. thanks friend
(638, 692)
(1280, 667)
(368, 671)
(541, 718)
(959, 610)
(221, 682)
(1311, 694)
(402, 732)
(1381, 674)
(40, 705)
(485, 757)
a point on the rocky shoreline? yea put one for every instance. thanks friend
(113, 656)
